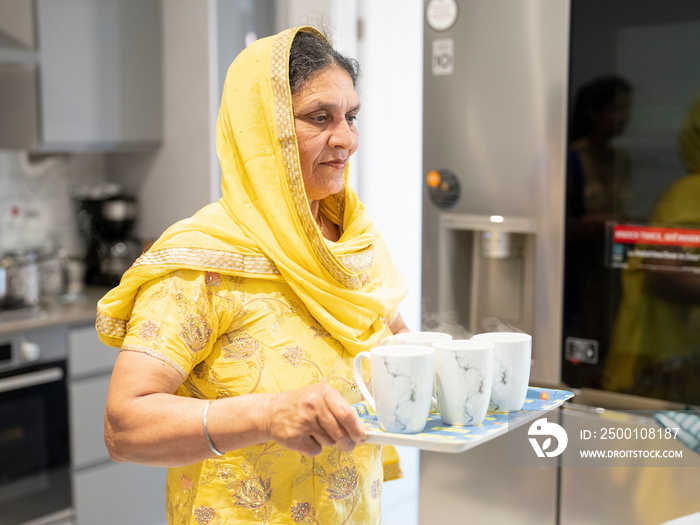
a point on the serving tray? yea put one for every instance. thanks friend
(439, 437)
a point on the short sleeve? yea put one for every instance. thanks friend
(173, 320)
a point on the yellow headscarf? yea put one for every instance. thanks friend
(262, 227)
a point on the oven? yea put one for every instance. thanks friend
(35, 483)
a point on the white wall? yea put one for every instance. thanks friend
(390, 124)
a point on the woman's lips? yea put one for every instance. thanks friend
(337, 164)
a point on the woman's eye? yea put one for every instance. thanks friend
(319, 118)
(352, 118)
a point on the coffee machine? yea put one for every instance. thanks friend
(106, 219)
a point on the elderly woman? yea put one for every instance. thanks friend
(238, 327)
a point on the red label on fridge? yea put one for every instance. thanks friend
(654, 247)
(626, 234)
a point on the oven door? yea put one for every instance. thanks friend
(34, 445)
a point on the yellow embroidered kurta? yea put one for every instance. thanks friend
(230, 336)
(247, 296)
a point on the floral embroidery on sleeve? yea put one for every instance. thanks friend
(195, 332)
(149, 330)
(239, 346)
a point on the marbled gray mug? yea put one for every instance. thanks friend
(402, 385)
(463, 376)
(512, 353)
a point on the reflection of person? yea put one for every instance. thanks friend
(598, 178)
(239, 326)
(656, 342)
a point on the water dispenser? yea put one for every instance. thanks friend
(486, 271)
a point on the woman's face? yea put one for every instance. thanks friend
(325, 108)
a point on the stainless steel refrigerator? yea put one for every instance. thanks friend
(551, 145)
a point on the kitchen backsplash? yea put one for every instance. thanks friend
(37, 206)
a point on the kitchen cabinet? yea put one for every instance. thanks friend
(104, 492)
(120, 494)
(87, 79)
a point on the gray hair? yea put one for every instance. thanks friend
(310, 54)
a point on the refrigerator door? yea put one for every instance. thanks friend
(494, 144)
(631, 318)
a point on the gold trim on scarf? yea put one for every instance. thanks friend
(290, 155)
(217, 260)
(214, 260)
(359, 262)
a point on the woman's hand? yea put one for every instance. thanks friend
(309, 418)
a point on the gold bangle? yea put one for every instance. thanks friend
(206, 430)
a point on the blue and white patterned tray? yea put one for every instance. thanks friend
(439, 437)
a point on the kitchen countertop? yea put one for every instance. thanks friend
(50, 314)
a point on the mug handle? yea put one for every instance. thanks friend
(357, 369)
(387, 341)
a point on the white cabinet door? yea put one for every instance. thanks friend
(87, 405)
(104, 492)
(87, 354)
(100, 73)
(120, 494)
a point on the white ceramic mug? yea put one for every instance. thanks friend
(512, 352)
(402, 382)
(463, 376)
(418, 338)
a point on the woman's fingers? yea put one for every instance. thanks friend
(342, 422)
(312, 417)
(331, 431)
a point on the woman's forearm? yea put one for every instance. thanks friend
(166, 430)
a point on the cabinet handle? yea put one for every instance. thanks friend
(31, 379)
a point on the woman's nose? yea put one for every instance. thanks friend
(343, 136)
